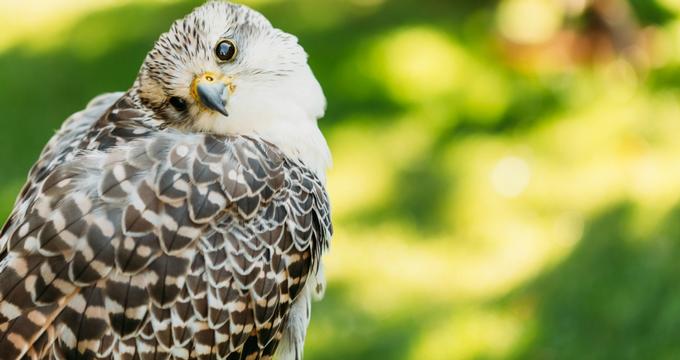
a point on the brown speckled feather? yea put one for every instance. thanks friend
(134, 242)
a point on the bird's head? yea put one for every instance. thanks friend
(224, 69)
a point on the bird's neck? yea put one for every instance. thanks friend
(287, 127)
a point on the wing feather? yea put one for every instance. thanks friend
(159, 244)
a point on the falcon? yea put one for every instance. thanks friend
(183, 219)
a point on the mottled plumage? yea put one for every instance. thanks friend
(146, 232)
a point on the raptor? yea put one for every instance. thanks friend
(185, 218)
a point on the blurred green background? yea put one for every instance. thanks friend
(507, 173)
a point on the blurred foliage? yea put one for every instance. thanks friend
(506, 176)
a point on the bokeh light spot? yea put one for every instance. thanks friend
(510, 176)
(418, 64)
(529, 21)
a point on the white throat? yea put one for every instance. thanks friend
(277, 116)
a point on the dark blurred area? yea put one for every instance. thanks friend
(507, 173)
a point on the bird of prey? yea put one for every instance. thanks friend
(183, 219)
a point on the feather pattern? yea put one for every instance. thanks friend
(134, 242)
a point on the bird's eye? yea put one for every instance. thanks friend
(225, 50)
(178, 103)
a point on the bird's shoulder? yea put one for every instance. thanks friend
(113, 135)
(62, 147)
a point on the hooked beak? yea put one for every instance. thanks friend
(211, 92)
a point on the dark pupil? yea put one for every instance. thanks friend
(178, 103)
(225, 50)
